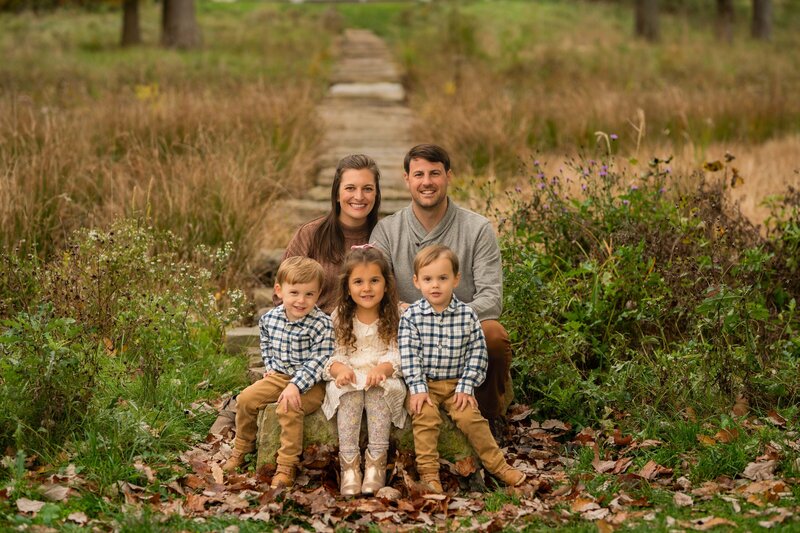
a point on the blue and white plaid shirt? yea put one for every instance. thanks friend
(447, 345)
(299, 349)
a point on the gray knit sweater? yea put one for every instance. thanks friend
(472, 238)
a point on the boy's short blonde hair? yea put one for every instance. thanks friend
(299, 269)
(431, 253)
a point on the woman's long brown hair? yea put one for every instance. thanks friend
(327, 243)
(389, 315)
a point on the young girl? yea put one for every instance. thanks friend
(364, 372)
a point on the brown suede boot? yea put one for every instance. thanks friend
(283, 478)
(510, 476)
(374, 473)
(433, 482)
(234, 461)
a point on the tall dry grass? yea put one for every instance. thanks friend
(206, 165)
(499, 83)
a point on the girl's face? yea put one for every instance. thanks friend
(357, 193)
(367, 286)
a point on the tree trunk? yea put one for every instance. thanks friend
(725, 17)
(131, 34)
(179, 25)
(647, 19)
(762, 19)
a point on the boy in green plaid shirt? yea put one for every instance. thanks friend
(443, 359)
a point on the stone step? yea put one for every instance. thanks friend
(388, 91)
(238, 340)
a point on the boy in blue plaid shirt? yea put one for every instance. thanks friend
(296, 342)
(443, 359)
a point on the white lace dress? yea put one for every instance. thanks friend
(369, 352)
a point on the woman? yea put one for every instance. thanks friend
(355, 201)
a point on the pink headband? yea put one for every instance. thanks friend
(366, 246)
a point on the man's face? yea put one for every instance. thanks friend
(437, 283)
(299, 299)
(427, 183)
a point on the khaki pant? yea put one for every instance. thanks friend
(266, 391)
(469, 421)
(491, 395)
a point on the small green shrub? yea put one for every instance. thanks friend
(115, 311)
(625, 293)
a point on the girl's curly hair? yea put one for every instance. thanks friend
(389, 314)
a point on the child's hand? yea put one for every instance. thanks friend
(463, 400)
(375, 377)
(268, 373)
(290, 397)
(416, 401)
(345, 377)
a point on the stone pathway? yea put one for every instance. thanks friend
(363, 112)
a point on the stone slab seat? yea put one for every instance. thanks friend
(453, 445)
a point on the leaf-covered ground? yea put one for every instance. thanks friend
(601, 479)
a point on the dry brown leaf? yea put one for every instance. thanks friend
(466, 466)
(604, 527)
(601, 467)
(682, 500)
(690, 414)
(727, 435)
(29, 506)
(146, 470)
(734, 503)
(581, 505)
(585, 436)
(741, 407)
(651, 470)
(709, 522)
(622, 464)
(196, 503)
(595, 514)
(78, 517)
(55, 493)
(217, 474)
(621, 440)
(776, 419)
(706, 440)
(556, 424)
(760, 471)
(388, 493)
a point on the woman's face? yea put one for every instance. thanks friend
(357, 192)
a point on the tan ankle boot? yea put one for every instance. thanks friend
(433, 482)
(510, 476)
(374, 473)
(351, 475)
(283, 478)
(234, 461)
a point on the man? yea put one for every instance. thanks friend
(432, 217)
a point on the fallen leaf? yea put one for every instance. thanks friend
(78, 517)
(388, 493)
(55, 493)
(604, 527)
(217, 474)
(709, 522)
(727, 435)
(621, 440)
(741, 407)
(29, 506)
(466, 466)
(581, 505)
(776, 419)
(595, 514)
(651, 470)
(556, 424)
(682, 500)
(706, 440)
(146, 470)
(734, 503)
(760, 471)
(690, 414)
(585, 436)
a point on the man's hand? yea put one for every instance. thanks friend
(462, 400)
(290, 397)
(416, 401)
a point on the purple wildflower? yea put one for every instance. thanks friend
(518, 188)
(602, 173)
(614, 136)
(634, 187)
(541, 186)
(584, 187)
(625, 202)
(536, 163)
